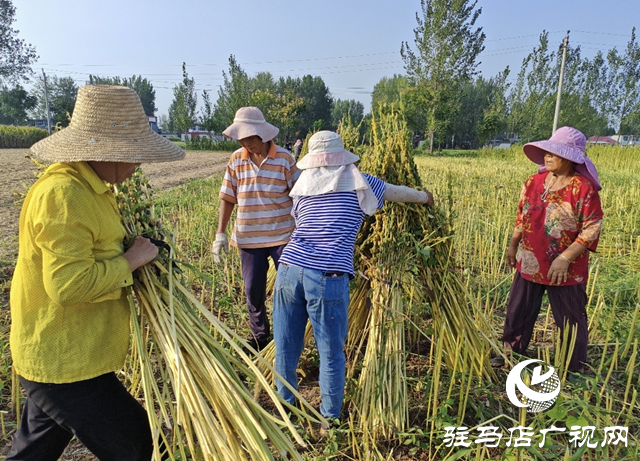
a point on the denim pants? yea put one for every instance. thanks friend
(255, 266)
(302, 294)
(98, 411)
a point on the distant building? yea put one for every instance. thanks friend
(198, 132)
(601, 140)
(626, 139)
(40, 123)
(153, 123)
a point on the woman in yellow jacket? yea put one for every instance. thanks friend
(69, 308)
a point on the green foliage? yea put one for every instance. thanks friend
(209, 144)
(445, 57)
(346, 108)
(140, 85)
(20, 137)
(182, 111)
(15, 102)
(62, 98)
(291, 104)
(388, 91)
(16, 56)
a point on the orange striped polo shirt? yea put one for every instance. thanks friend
(263, 218)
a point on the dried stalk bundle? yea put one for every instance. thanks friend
(204, 400)
(382, 385)
(423, 236)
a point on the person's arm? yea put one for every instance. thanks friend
(226, 208)
(513, 248)
(587, 239)
(393, 193)
(65, 232)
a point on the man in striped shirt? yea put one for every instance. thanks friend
(331, 199)
(258, 179)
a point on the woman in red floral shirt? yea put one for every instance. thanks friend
(559, 219)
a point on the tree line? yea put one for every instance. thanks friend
(441, 94)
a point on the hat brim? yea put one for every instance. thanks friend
(73, 145)
(329, 159)
(242, 130)
(537, 150)
(588, 170)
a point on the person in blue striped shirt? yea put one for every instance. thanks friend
(330, 201)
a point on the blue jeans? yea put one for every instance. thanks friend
(302, 294)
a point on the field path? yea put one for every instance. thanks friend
(17, 170)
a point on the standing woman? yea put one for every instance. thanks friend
(70, 313)
(331, 199)
(559, 219)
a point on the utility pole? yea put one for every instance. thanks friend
(46, 98)
(564, 58)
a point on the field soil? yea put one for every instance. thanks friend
(18, 173)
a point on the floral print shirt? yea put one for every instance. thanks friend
(550, 225)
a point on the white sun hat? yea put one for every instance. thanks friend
(248, 122)
(326, 149)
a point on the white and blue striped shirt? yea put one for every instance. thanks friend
(326, 229)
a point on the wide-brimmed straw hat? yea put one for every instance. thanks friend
(108, 125)
(248, 122)
(568, 143)
(326, 149)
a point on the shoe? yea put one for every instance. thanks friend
(329, 427)
(256, 343)
(497, 362)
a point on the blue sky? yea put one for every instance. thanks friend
(351, 44)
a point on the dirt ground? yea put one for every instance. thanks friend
(18, 173)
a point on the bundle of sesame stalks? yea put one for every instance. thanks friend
(193, 370)
(405, 255)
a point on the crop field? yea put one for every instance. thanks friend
(477, 192)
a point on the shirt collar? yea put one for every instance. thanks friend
(273, 149)
(89, 175)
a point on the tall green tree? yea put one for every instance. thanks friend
(388, 91)
(140, 85)
(628, 97)
(183, 108)
(233, 94)
(16, 56)
(317, 113)
(346, 108)
(15, 103)
(447, 46)
(62, 98)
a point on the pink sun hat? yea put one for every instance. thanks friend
(326, 149)
(248, 122)
(568, 143)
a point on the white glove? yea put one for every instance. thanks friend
(219, 243)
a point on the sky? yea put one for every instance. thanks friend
(351, 44)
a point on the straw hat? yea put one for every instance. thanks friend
(248, 122)
(108, 125)
(326, 149)
(568, 143)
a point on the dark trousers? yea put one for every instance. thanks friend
(255, 265)
(99, 412)
(568, 305)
